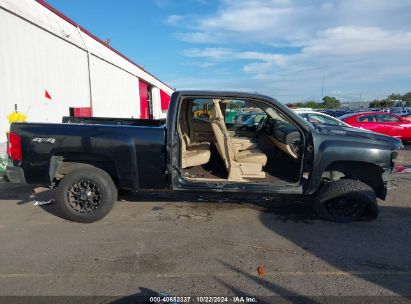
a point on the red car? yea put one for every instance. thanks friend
(380, 122)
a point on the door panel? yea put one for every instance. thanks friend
(390, 125)
(390, 129)
(372, 126)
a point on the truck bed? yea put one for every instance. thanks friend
(133, 151)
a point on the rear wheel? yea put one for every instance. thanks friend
(86, 195)
(346, 201)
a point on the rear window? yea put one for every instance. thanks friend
(387, 118)
(201, 109)
(366, 118)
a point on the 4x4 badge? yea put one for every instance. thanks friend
(44, 140)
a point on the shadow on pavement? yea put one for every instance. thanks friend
(376, 251)
(24, 194)
(285, 208)
(12, 191)
(143, 296)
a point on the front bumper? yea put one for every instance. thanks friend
(15, 175)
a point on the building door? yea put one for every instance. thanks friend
(146, 105)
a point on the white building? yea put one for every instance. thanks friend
(50, 64)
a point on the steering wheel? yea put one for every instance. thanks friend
(261, 125)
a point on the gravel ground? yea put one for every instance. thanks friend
(206, 247)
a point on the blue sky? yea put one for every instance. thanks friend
(281, 48)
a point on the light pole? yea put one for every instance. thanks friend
(322, 89)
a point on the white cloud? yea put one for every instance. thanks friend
(345, 41)
(355, 43)
(293, 22)
(225, 54)
(210, 53)
(174, 19)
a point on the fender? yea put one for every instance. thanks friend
(330, 151)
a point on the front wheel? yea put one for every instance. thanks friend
(86, 195)
(345, 201)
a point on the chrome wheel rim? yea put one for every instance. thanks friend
(84, 196)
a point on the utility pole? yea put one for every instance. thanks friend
(360, 100)
(322, 89)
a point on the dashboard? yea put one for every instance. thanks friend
(283, 134)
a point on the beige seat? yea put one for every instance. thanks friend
(240, 164)
(241, 143)
(192, 153)
(185, 133)
(194, 157)
(252, 156)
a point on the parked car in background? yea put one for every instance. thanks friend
(400, 110)
(315, 117)
(380, 122)
(337, 112)
(406, 116)
(248, 118)
(254, 119)
(243, 117)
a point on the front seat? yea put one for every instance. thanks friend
(239, 143)
(240, 164)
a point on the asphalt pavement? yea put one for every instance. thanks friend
(198, 246)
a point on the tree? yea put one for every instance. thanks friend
(387, 103)
(407, 98)
(375, 104)
(331, 102)
(394, 96)
(236, 105)
(308, 104)
(312, 104)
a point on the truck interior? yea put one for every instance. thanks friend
(227, 140)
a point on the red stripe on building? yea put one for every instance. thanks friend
(165, 100)
(144, 107)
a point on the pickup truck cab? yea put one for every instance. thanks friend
(199, 149)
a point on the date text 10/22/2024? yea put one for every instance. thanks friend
(206, 299)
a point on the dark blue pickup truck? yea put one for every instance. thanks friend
(197, 149)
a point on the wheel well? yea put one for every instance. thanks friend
(368, 173)
(61, 164)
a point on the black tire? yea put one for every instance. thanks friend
(85, 195)
(345, 201)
